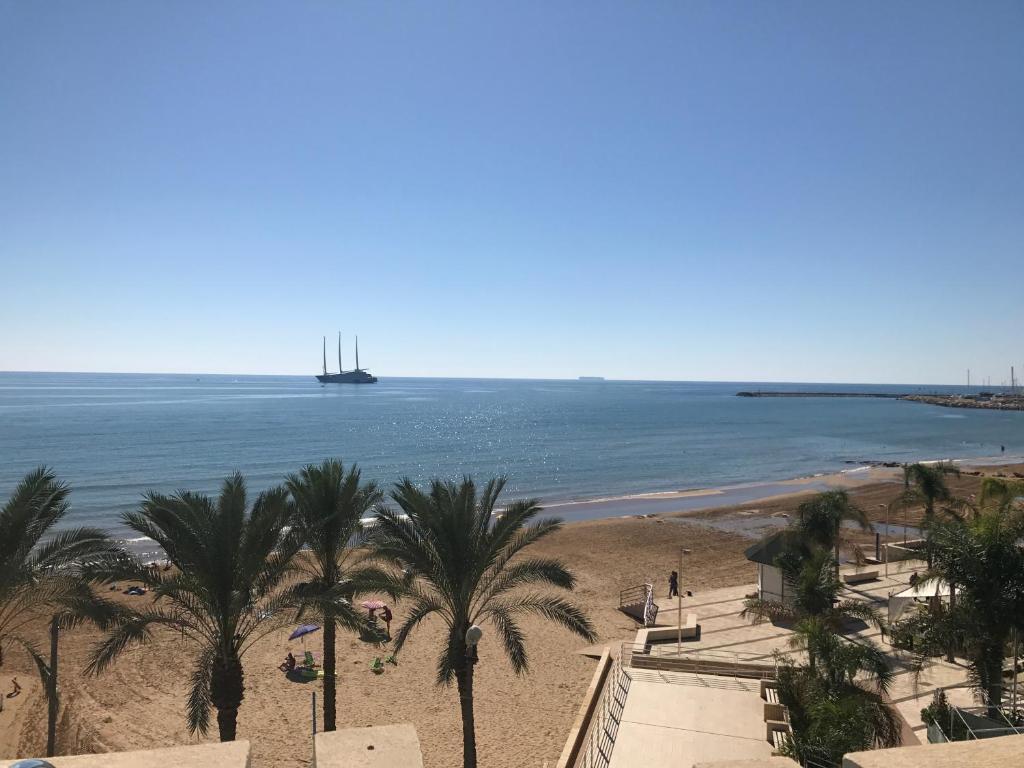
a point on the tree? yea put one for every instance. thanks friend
(925, 485)
(815, 591)
(44, 573)
(839, 705)
(820, 521)
(466, 564)
(223, 594)
(329, 505)
(983, 559)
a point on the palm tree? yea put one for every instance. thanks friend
(820, 520)
(45, 574)
(466, 564)
(224, 593)
(982, 557)
(815, 591)
(329, 505)
(925, 485)
(839, 704)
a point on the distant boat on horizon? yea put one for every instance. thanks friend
(591, 378)
(355, 376)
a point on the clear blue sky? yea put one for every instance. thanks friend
(814, 191)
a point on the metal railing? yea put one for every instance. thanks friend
(969, 723)
(638, 602)
(634, 595)
(604, 724)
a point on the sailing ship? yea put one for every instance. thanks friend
(355, 376)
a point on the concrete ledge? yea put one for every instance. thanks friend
(582, 722)
(771, 762)
(860, 578)
(379, 746)
(1001, 752)
(645, 637)
(232, 754)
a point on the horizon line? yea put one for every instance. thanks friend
(520, 378)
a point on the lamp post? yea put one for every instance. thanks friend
(886, 539)
(679, 604)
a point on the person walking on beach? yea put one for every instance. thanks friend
(673, 584)
(386, 614)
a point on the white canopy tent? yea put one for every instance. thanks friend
(921, 593)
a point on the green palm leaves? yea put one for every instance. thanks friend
(224, 593)
(47, 574)
(329, 505)
(466, 565)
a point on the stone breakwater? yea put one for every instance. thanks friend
(992, 402)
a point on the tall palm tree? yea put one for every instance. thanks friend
(466, 564)
(982, 557)
(224, 593)
(815, 597)
(927, 483)
(44, 575)
(820, 520)
(329, 505)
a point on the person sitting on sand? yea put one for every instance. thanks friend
(288, 665)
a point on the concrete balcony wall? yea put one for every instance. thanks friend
(1002, 752)
(381, 746)
(233, 754)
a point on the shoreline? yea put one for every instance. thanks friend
(698, 500)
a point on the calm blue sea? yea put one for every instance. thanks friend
(113, 436)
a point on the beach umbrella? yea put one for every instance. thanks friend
(372, 605)
(304, 630)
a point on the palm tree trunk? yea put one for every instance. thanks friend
(51, 693)
(951, 650)
(994, 689)
(464, 678)
(227, 688)
(330, 687)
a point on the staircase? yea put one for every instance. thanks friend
(638, 603)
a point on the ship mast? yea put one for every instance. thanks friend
(325, 355)
(340, 369)
(357, 352)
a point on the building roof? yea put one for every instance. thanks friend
(767, 549)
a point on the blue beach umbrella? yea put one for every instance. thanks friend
(304, 630)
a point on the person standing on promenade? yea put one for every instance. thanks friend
(673, 584)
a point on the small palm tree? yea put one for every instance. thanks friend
(44, 574)
(839, 704)
(329, 505)
(815, 595)
(466, 564)
(224, 593)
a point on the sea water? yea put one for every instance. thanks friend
(112, 437)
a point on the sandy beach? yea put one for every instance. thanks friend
(140, 701)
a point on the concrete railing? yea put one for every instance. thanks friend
(581, 725)
(666, 658)
(232, 754)
(596, 750)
